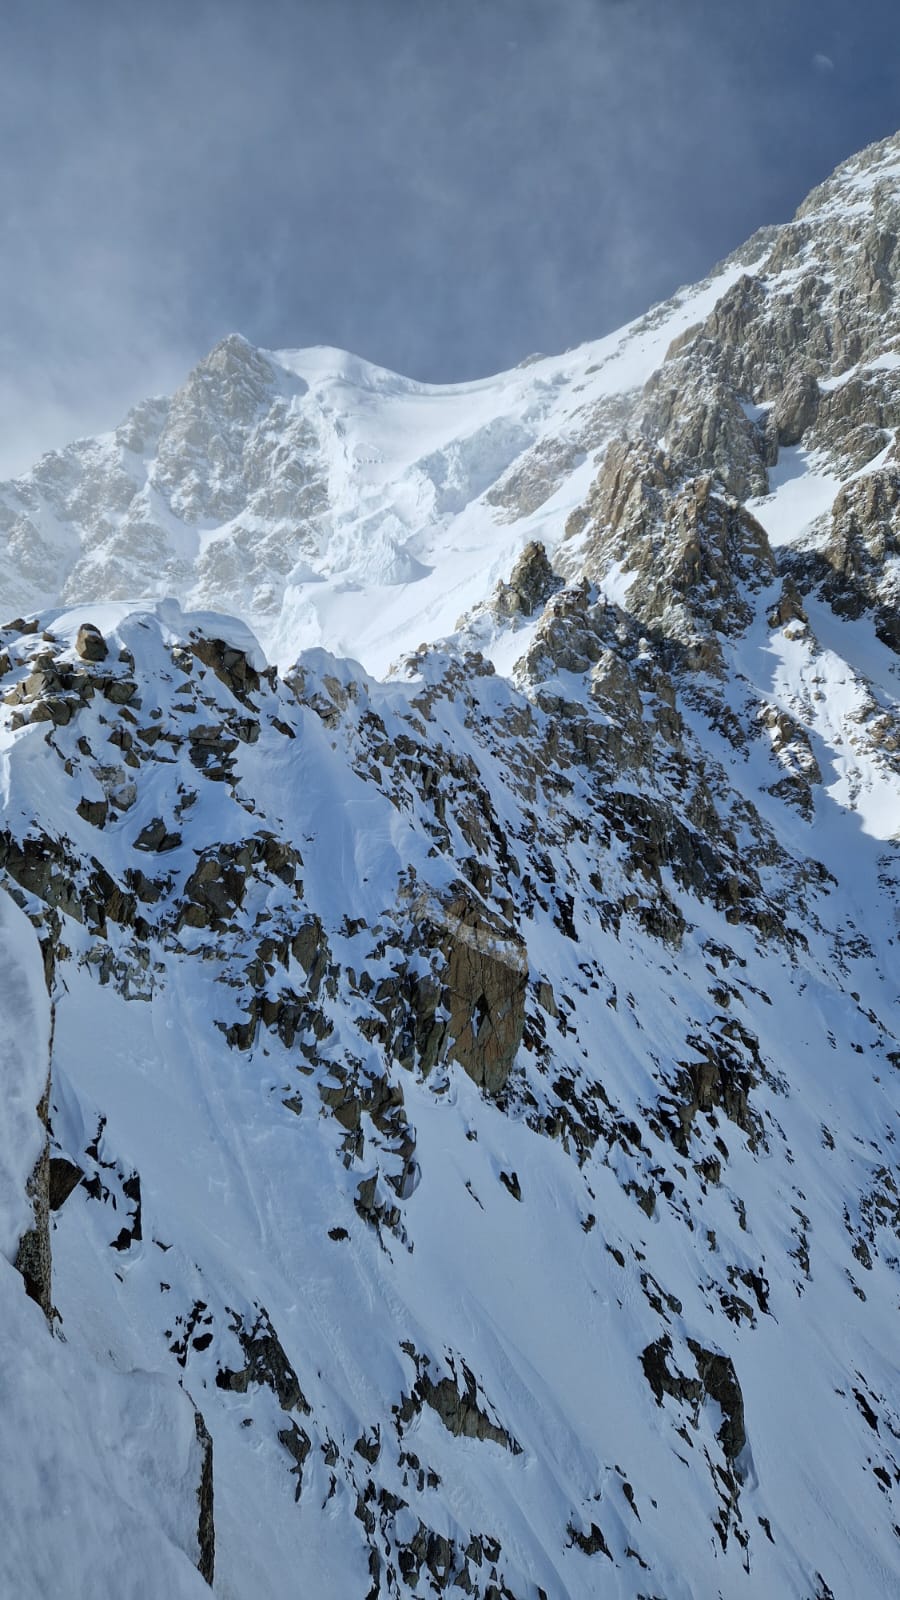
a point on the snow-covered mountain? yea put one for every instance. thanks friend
(451, 1044)
(327, 501)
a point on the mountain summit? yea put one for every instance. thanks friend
(451, 1072)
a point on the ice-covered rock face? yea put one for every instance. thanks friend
(469, 1159)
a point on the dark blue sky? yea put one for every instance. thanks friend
(443, 186)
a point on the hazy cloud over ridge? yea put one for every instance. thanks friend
(441, 185)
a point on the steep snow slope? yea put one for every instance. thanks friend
(99, 1469)
(477, 1090)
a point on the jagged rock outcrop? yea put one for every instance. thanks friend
(33, 1257)
(700, 418)
(456, 1400)
(531, 583)
(265, 1363)
(716, 1380)
(690, 556)
(206, 1523)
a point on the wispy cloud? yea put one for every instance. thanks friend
(443, 187)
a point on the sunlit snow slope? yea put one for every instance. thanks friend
(328, 501)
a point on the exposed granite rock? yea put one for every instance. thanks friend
(486, 975)
(591, 1543)
(157, 837)
(65, 1176)
(702, 421)
(298, 1444)
(458, 1407)
(716, 1380)
(719, 1379)
(93, 811)
(216, 887)
(796, 408)
(534, 477)
(90, 643)
(789, 607)
(230, 665)
(726, 1068)
(266, 1363)
(693, 555)
(531, 583)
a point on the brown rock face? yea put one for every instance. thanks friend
(90, 643)
(457, 1401)
(796, 408)
(474, 1010)
(487, 1013)
(531, 583)
(719, 1379)
(230, 666)
(714, 546)
(487, 974)
(692, 550)
(703, 422)
(156, 836)
(64, 1177)
(460, 1412)
(789, 607)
